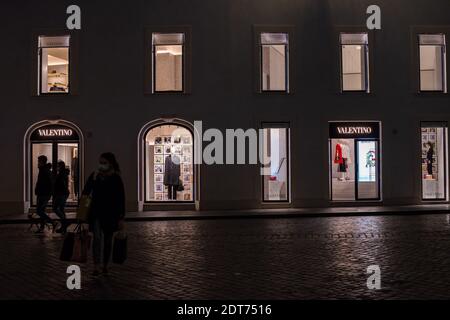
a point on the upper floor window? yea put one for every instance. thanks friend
(354, 62)
(274, 62)
(53, 63)
(168, 69)
(432, 62)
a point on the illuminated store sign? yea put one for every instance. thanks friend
(354, 130)
(55, 132)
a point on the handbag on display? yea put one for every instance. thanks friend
(84, 206)
(120, 247)
(180, 187)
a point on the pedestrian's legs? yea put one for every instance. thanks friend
(97, 243)
(59, 206)
(108, 238)
(40, 209)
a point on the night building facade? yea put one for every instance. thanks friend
(350, 116)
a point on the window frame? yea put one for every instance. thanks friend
(258, 55)
(366, 64)
(337, 66)
(40, 69)
(444, 63)
(415, 57)
(154, 65)
(278, 125)
(36, 61)
(286, 65)
(149, 62)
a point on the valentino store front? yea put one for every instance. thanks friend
(355, 161)
(58, 141)
(169, 178)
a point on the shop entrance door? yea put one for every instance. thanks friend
(367, 186)
(354, 161)
(57, 145)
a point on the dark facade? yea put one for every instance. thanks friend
(111, 105)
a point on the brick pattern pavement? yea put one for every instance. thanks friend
(300, 258)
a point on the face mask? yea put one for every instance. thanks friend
(103, 167)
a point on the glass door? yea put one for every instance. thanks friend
(367, 184)
(68, 153)
(55, 152)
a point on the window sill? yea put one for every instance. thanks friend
(60, 94)
(163, 93)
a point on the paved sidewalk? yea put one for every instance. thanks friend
(285, 258)
(264, 213)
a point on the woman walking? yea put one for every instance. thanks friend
(107, 208)
(60, 194)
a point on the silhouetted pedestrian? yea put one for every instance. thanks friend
(43, 191)
(60, 194)
(107, 208)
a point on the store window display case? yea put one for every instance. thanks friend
(275, 169)
(434, 165)
(169, 164)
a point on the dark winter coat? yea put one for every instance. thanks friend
(108, 200)
(61, 187)
(172, 171)
(43, 186)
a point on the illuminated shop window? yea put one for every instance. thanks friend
(168, 49)
(276, 163)
(354, 161)
(434, 161)
(274, 62)
(355, 62)
(433, 74)
(169, 164)
(54, 64)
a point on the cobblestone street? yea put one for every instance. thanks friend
(298, 258)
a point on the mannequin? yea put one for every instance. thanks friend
(342, 158)
(430, 154)
(172, 175)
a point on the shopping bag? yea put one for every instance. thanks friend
(67, 248)
(120, 248)
(81, 244)
(84, 207)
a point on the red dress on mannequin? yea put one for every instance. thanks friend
(338, 155)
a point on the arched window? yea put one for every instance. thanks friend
(169, 164)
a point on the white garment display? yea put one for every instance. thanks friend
(346, 153)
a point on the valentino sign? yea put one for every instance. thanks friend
(354, 130)
(55, 132)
